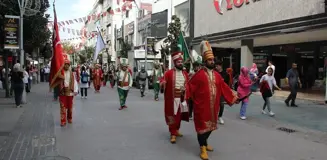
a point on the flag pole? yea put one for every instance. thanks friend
(190, 54)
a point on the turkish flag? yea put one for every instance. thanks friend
(57, 60)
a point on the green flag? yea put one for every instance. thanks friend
(183, 47)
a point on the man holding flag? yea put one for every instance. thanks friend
(97, 78)
(97, 72)
(62, 76)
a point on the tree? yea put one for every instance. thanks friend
(174, 30)
(124, 49)
(46, 52)
(68, 48)
(36, 33)
(86, 53)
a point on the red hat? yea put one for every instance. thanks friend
(177, 56)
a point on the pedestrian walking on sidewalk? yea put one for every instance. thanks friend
(125, 82)
(18, 83)
(293, 80)
(272, 66)
(25, 79)
(84, 82)
(254, 72)
(205, 88)
(243, 90)
(267, 82)
(68, 89)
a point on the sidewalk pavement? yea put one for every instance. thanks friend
(28, 132)
(318, 98)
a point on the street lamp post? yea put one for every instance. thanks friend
(25, 7)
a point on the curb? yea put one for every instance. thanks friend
(320, 102)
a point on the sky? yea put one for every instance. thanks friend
(73, 9)
(69, 10)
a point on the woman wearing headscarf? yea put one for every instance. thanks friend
(243, 90)
(18, 83)
(254, 77)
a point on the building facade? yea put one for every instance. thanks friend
(247, 31)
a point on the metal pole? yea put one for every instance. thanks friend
(21, 25)
(325, 80)
(6, 75)
(146, 54)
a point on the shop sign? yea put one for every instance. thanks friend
(11, 32)
(150, 42)
(159, 27)
(229, 4)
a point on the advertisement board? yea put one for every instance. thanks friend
(11, 32)
(159, 27)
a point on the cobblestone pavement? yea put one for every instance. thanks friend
(33, 135)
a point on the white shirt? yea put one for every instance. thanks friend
(121, 75)
(47, 70)
(67, 81)
(26, 76)
(270, 79)
(273, 67)
(180, 80)
(210, 72)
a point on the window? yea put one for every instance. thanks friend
(127, 13)
(183, 12)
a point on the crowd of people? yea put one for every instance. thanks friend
(199, 94)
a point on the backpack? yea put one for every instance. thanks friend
(84, 78)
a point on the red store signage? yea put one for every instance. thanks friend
(229, 4)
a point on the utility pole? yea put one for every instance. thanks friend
(25, 7)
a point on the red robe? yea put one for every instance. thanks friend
(206, 94)
(97, 76)
(169, 78)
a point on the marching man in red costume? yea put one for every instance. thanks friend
(78, 73)
(68, 89)
(97, 78)
(173, 83)
(205, 88)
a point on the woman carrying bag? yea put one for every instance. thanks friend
(84, 82)
(18, 84)
(267, 82)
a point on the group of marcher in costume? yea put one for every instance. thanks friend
(202, 90)
(199, 95)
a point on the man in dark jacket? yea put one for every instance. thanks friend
(219, 69)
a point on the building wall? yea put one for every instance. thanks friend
(207, 20)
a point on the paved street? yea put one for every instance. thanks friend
(101, 132)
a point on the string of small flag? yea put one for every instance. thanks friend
(94, 17)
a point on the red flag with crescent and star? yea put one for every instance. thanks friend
(57, 60)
